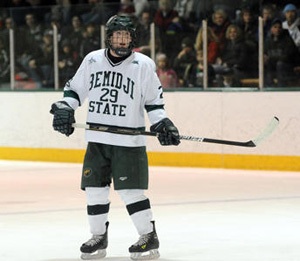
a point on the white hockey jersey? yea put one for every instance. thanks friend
(118, 95)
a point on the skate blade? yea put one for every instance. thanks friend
(94, 256)
(149, 255)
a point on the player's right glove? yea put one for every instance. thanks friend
(167, 132)
(63, 117)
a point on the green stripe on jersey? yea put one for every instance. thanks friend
(153, 107)
(72, 94)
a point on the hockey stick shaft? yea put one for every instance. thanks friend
(251, 143)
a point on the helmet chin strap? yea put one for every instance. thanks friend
(121, 51)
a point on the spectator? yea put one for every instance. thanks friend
(292, 23)
(187, 16)
(126, 7)
(98, 12)
(18, 10)
(194, 73)
(90, 41)
(249, 26)
(32, 40)
(18, 42)
(140, 6)
(59, 10)
(74, 33)
(219, 24)
(228, 6)
(280, 56)
(41, 65)
(212, 44)
(234, 55)
(184, 58)
(68, 62)
(166, 74)
(201, 11)
(143, 30)
(267, 17)
(168, 24)
(4, 64)
(4, 34)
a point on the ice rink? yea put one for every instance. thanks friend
(201, 214)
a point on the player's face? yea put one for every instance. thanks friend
(121, 39)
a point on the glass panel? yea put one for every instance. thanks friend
(225, 55)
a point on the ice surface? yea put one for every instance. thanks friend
(201, 214)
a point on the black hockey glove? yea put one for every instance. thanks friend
(63, 117)
(167, 132)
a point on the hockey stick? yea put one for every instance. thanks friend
(251, 143)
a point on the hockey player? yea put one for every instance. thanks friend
(119, 84)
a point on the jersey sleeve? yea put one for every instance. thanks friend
(76, 89)
(154, 103)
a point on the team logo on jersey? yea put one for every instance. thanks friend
(87, 172)
(135, 62)
(92, 60)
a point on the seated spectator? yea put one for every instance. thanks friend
(292, 23)
(184, 58)
(143, 31)
(97, 12)
(126, 7)
(140, 6)
(267, 17)
(212, 44)
(194, 73)
(90, 41)
(219, 24)
(41, 65)
(31, 37)
(228, 6)
(74, 33)
(4, 64)
(167, 22)
(18, 10)
(68, 62)
(234, 55)
(248, 23)
(201, 11)
(4, 33)
(33, 29)
(186, 13)
(166, 74)
(280, 56)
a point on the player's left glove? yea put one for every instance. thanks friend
(167, 132)
(63, 117)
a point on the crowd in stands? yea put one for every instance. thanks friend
(232, 39)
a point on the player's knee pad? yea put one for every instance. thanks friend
(97, 195)
(130, 196)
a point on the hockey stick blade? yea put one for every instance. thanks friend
(267, 131)
(123, 131)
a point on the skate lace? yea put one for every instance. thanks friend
(142, 240)
(94, 240)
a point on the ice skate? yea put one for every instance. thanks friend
(146, 248)
(95, 248)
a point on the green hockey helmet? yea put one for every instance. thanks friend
(117, 23)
